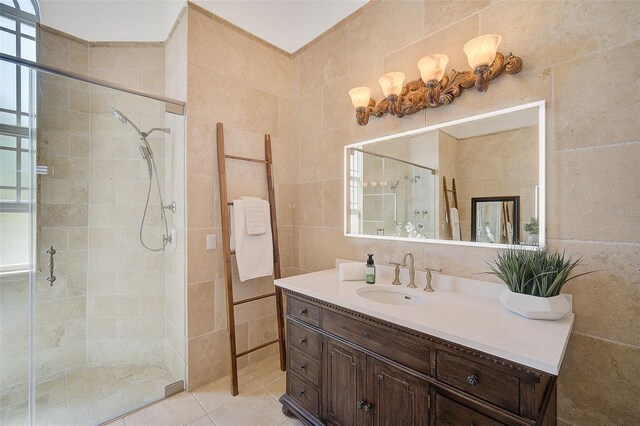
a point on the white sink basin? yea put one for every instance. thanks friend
(391, 296)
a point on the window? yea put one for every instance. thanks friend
(18, 20)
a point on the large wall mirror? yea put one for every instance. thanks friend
(475, 181)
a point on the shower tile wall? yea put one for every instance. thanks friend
(107, 305)
(125, 282)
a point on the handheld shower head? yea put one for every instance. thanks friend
(119, 116)
(147, 155)
(124, 121)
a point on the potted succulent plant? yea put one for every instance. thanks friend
(531, 228)
(534, 280)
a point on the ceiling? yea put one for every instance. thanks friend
(288, 24)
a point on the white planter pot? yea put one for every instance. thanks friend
(533, 307)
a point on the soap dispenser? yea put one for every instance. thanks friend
(370, 270)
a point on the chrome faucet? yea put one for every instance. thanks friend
(412, 269)
(429, 277)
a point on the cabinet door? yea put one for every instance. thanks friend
(344, 385)
(398, 398)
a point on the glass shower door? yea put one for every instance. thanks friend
(100, 345)
(16, 214)
(91, 298)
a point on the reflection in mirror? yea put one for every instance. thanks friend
(495, 219)
(390, 196)
(476, 180)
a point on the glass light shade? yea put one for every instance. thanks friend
(482, 50)
(360, 96)
(391, 83)
(432, 67)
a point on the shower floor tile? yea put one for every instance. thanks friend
(90, 396)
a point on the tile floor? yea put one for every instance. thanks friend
(260, 386)
(89, 396)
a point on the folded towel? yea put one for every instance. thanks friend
(351, 272)
(455, 224)
(254, 215)
(254, 253)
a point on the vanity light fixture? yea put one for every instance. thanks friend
(434, 88)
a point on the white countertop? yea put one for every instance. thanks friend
(462, 311)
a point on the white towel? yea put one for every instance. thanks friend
(351, 272)
(254, 253)
(254, 215)
(454, 221)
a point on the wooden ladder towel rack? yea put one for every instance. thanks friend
(448, 206)
(226, 248)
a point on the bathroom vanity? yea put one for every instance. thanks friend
(452, 357)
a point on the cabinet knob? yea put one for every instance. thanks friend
(303, 340)
(366, 335)
(472, 380)
(303, 311)
(301, 392)
(363, 406)
(303, 366)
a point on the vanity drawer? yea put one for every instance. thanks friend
(304, 339)
(494, 386)
(386, 341)
(303, 393)
(303, 311)
(304, 366)
(450, 413)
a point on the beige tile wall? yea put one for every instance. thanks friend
(125, 296)
(500, 164)
(592, 157)
(245, 84)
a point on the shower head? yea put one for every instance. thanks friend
(124, 121)
(119, 116)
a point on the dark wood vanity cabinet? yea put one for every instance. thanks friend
(345, 368)
(362, 389)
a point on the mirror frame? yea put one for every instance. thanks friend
(540, 195)
(516, 213)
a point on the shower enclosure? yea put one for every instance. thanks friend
(91, 249)
(398, 197)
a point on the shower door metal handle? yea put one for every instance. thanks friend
(51, 278)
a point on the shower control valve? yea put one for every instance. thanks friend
(171, 207)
